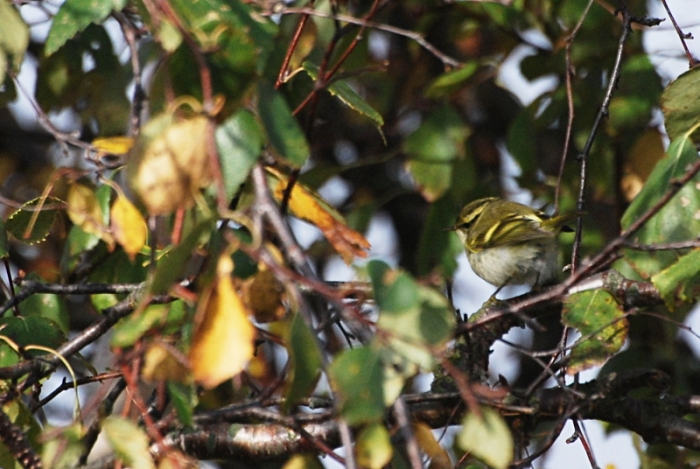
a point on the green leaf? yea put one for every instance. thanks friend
(416, 321)
(74, 16)
(118, 268)
(167, 35)
(433, 148)
(348, 96)
(62, 447)
(305, 362)
(237, 43)
(49, 306)
(603, 326)
(451, 81)
(171, 266)
(29, 229)
(14, 38)
(678, 220)
(8, 356)
(184, 399)
(418, 334)
(374, 447)
(33, 330)
(487, 437)
(133, 327)
(282, 129)
(63, 81)
(681, 106)
(78, 243)
(394, 290)
(356, 376)
(681, 281)
(4, 243)
(129, 442)
(240, 141)
(228, 23)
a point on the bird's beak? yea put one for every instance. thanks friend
(450, 228)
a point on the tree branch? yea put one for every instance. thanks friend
(607, 399)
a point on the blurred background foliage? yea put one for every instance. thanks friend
(395, 130)
(449, 134)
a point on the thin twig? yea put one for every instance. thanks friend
(346, 439)
(692, 61)
(131, 35)
(663, 246)
(602, 113)
(43, 366)
(31, 287)
(569, 102)
(554, 434)
(580, 434)
(106, 407)
(281, 75)
(68, 385)
(407, 434)
(417, 37)
(63, 138)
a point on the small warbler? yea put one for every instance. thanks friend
(508, 243)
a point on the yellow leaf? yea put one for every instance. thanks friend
(303, 461)
(128, 441)
(170, 163)
(310, 207)
(439, 457)
(223, 341)
(374, 447)
(84, 210)
(174, 459)
(128, 226)
(640, 162)
(119, 145)
(161, 365)
(304, 46)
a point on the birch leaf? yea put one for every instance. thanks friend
(223, 341)
(128, 226)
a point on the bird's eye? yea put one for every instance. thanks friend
(465, 225)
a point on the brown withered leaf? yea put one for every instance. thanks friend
(309, 206)
(265, 295)
(161, 365)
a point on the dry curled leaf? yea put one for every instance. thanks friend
(309, 206)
